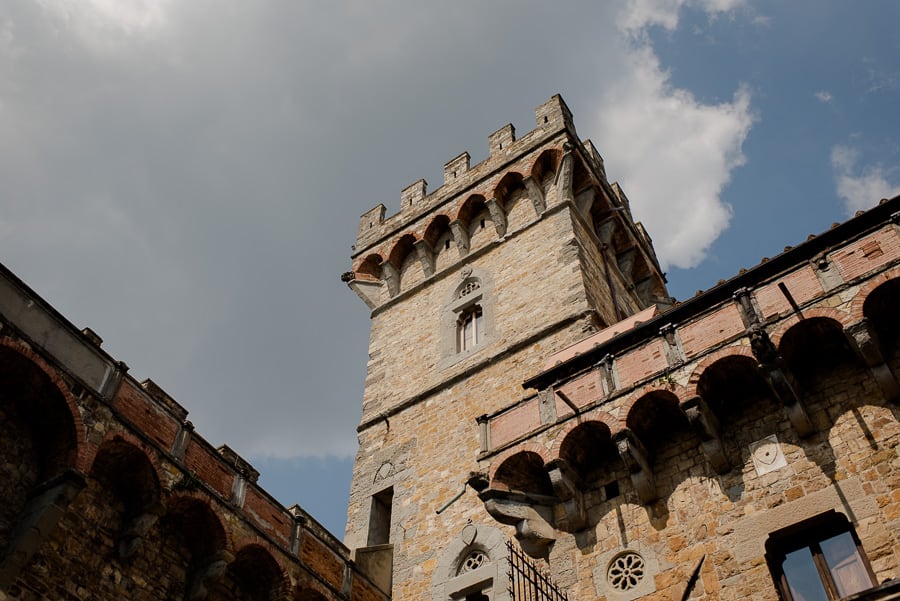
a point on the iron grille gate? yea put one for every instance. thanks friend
(527, 582)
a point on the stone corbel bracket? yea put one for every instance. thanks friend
(497, 216)
(706, 426)
(368, 291)
(564, 191)
(391, 277)
(461, 236)
(37, 521)
(864, 341)
(537, 196)
(426, 256)
(207, 574)
(134, 530)
(781, 381)
(637, 461)
(567, 486)
(530, 516)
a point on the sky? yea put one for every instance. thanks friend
(186, 178)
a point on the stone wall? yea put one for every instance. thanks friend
(668, 447)
(108, 493)
(730, 455)
(551, 256)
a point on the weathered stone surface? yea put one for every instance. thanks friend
(684, 395)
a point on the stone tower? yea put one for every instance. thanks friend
(471, 287)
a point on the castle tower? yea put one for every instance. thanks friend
(471, 288)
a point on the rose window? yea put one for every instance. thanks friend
(473, 561)
(470, 287)
(625, 571)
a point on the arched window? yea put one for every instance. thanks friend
(470, 328)
(467, 318)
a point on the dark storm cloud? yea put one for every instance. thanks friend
(186, 177)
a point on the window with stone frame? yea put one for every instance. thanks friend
(470, 328)
(467, 321)
(820, 559)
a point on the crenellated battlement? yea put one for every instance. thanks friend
(547, 170)
(551, 118)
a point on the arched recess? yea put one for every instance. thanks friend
(125, 471)
(404, 259)
(38, 455)
(401, 249)
(29, 393)
(523, 472)
(814, 348)
(581, 177)
(510, 192)
(370, 268)
(200, 539)
(659, 423)
(442, 243)
(543, 171)
(476, 219)
(880, 308)
(254, 575)
(731, 385)
(589, 450)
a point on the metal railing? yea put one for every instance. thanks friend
(527, 582)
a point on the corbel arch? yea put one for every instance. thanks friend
(726, 382)
(857, 305)
(842, 318)
(17, 360)
(257, 573)
(124, 468)
(522, 468)
(440, 240)
(582, 178)
(589, 450)
(476, 221)
(404, 258)
(545, 166)
(879, 309)
(370, 268)
(815, 344)
(42, 432)
(653, 415)
(679, 392)
(513, 197)
(711, 359)
(197, 526)
(612, 425)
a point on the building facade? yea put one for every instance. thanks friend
(541, 420)
(532, 388)
(108, 493)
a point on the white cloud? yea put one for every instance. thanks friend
(860, 188)
(192, 195)
(637, 15)
(824, 97)
(672, 153)
(128, 16)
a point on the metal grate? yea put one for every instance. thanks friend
(527, 582)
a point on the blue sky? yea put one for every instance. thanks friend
(186, 178)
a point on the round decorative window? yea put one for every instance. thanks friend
(468, 288)
(625, 571)
(473, 561)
